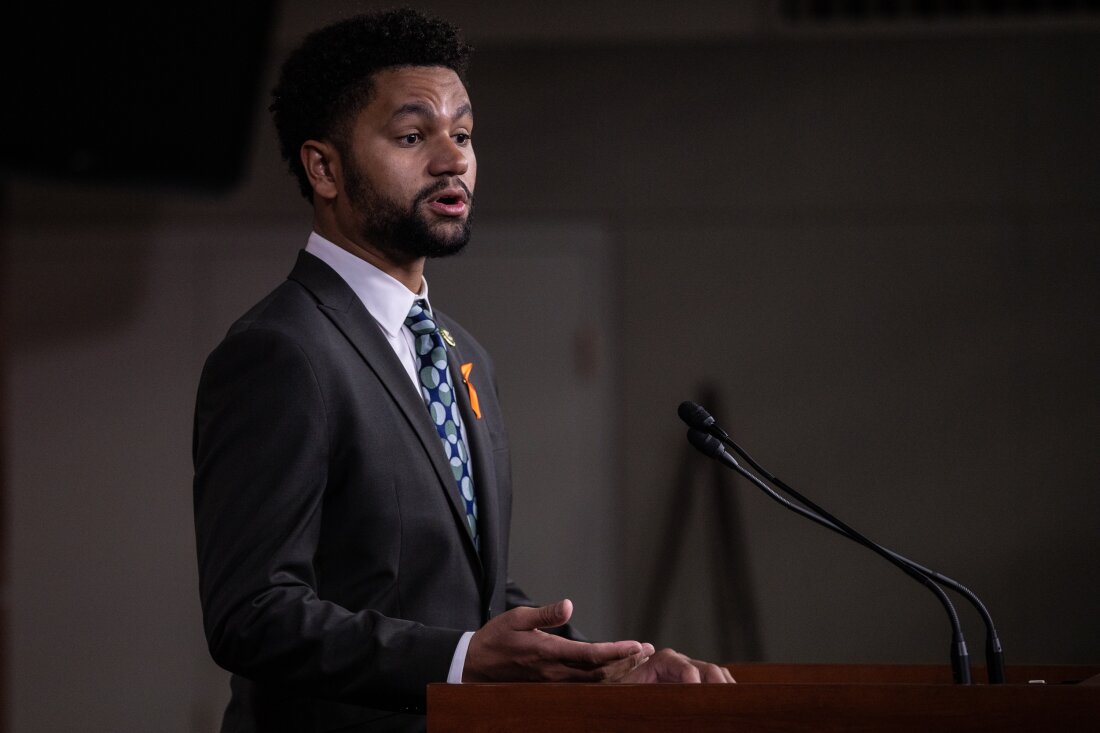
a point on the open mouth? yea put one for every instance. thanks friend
(450, 202)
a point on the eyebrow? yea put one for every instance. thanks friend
(419, 109)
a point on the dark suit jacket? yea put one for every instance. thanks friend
(336, 573)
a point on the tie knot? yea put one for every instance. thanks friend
(420, 320)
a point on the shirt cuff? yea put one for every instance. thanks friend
(458, 661)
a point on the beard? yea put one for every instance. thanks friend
(402, 233)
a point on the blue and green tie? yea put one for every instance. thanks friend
(439, 394)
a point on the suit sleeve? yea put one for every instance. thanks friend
(261, 452)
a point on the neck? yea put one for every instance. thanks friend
(409, 273)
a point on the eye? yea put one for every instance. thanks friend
(411, 139)
(463, 138)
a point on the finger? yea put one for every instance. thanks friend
(675, 667)
(524, 618)
(667, 666)
(690, 673)
(588, 655)
(729, 676)
(619, 671)
(616, 671)
(712, 672)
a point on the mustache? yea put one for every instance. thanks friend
(428, 191)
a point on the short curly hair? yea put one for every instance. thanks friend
(328, 79)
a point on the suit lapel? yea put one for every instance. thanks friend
(340, 304)
(481, 448)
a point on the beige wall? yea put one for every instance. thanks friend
(884, 249)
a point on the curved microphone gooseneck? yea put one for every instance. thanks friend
(710, 446)
(697, 417)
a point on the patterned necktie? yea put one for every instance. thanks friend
(439, 394)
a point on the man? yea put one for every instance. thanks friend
(352, 487)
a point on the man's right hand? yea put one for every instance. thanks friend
(513, 648)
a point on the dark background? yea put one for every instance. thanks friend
(871, 227)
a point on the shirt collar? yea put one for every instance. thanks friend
(386, 299)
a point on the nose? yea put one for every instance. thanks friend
(449, 158)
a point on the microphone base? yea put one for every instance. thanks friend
(960, 663)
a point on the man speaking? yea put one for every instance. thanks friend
(352, 483)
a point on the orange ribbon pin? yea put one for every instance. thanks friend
(474, 405)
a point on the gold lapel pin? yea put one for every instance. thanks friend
(447, 336)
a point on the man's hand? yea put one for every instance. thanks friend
(671, 666)
(512, 648)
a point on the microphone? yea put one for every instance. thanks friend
(697, 417)
(960, 658)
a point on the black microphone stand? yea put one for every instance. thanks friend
(994, 652)
(710, 446)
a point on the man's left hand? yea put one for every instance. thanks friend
(668, 665)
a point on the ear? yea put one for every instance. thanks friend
(322, 166)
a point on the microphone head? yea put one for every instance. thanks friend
(694, 416)
(705, 443)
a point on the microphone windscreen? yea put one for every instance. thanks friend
(705, 443)
(694, 415)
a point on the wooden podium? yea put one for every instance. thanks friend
(785, 697)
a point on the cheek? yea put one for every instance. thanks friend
(471, 171)
(392, 180)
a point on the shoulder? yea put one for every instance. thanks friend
(275, 338)
(288, 308)
(296, 309)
